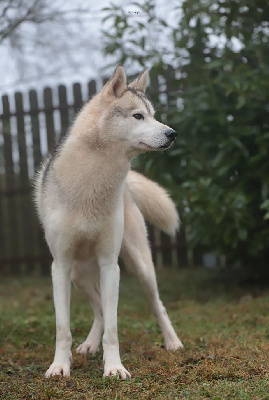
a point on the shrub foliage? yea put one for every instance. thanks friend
(218, 101)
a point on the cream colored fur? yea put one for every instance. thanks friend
(153, 202)
(91, 209)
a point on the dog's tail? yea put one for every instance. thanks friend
(154, 203)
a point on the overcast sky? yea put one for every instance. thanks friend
(36, 69)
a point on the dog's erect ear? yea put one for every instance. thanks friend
(116, 84)
(141, 81)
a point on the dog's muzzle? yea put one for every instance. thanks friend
(171, 136)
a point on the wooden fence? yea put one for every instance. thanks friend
(30, 124)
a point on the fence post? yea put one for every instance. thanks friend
(174, 256)
(189, 251)
(91, 88)
(49, 118)
(39, 248)
(12, 243)
(77, 97)
(64, 115)
(25, 201)
(157, 242)
(35, 128)
(2, 224)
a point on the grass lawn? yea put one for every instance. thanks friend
(225, 330)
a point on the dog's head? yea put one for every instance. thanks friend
(128, 116)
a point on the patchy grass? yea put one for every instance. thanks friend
(225, 331)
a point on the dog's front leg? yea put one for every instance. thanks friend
(109, 283)
(61, 272)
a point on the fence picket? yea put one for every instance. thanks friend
(2, 224)
(64, 114)
(39, 245)
(48, 103)
(77, 93)
(35, 128)
(157, 242)
(25, 202)
(91, 89)
(11, 241)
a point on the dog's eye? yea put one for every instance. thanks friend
(138, 116)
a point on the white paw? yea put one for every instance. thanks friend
(58, 369)
(87, 347)
(119, 371)
(173, 345)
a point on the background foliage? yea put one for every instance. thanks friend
(218, 101)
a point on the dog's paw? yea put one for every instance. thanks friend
(58, 369)
(118, 371)
(87, 347)
(174, 345)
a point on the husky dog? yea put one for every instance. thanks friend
(92, 206)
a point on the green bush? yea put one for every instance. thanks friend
(218, 101)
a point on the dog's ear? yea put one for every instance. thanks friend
(116, 84)
(141, 81)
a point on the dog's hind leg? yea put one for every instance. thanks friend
(137, 256)
(85, 276)
(61, 271)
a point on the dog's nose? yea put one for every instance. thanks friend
(171, 134)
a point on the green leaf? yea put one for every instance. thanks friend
(242, 234)
(266, 215)
(241, 102)
(213, 64)
(265, 205)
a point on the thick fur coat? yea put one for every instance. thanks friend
(92, 208)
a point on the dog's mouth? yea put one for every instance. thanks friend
(144, 146)
(167, 145)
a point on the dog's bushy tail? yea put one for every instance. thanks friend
(154, 203)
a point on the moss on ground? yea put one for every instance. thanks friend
(225, 330)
